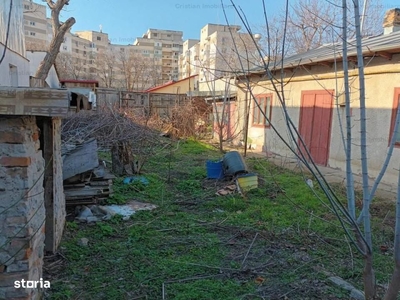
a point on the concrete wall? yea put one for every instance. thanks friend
(22, 212)
(22, 70)
(35, 58)
(382, 77)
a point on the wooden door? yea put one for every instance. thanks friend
(315, 124)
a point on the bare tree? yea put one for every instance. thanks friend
(106, 67)
(59, 30)
(357, 229)
(70, 67)
(310, 24)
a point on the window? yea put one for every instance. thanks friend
(155, 34)
(77, 50)
(32, 23)
(27, 7)
(99, 38)
(65, 48)
(32, 33)
(396, 100)
(265, 103)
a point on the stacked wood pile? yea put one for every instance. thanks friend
(86, 181)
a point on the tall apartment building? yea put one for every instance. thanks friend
(221, 50)
(189, 59)
(35, 26)
(166, 47)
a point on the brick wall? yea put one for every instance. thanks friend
(22, 212)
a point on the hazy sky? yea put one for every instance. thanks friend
(124, 20)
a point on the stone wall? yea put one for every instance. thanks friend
(22, 212)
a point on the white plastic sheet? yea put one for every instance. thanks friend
(16, 32)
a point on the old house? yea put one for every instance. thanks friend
(32, 206)
(314, 89)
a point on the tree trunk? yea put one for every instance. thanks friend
(54, 49)
(369, 278)
(122, 159)
(394, 286)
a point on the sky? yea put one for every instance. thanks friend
(125, 20)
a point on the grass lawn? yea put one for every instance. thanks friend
(276, 242)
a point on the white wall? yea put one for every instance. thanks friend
(35, 59)
(14, 59)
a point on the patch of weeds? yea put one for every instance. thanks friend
(189, 186)
(72, 226)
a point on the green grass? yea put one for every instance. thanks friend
(196, 245)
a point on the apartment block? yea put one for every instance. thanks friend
(222, 50)
(35, 26)
(189, 59)
(166, 47)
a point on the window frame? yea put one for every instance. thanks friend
(257, 113)
(396, 100)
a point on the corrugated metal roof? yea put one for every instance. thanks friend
(389, 43)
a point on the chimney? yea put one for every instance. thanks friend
(391, 22)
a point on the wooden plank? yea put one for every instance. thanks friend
(82, 159)
(34, 101)
(50, 241)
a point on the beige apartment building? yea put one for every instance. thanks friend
(35, 26)
(222, 50)
(165, 46)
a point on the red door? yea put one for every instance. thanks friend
(315, 124)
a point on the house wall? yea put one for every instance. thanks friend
(180, 87)
(382, 77)
(35, 58)
(22, 211)
(14, 59)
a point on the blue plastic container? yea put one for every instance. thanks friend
(215, 169)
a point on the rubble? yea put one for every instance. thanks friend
(97, 213)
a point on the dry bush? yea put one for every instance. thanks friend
(123, 131)
(185, 121)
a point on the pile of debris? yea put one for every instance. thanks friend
(86, 180)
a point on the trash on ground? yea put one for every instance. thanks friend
(215, 169)
(247, 182)
(140, 179)
(234, 164)
(229, 189)
(97, 213)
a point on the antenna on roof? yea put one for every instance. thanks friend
(101, 28)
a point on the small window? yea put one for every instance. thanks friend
(32, 33)
(27, 7)
(99, 38)
(155, 34)
(264, 107)
(65, 48)
(32, 23)
(77, 50)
